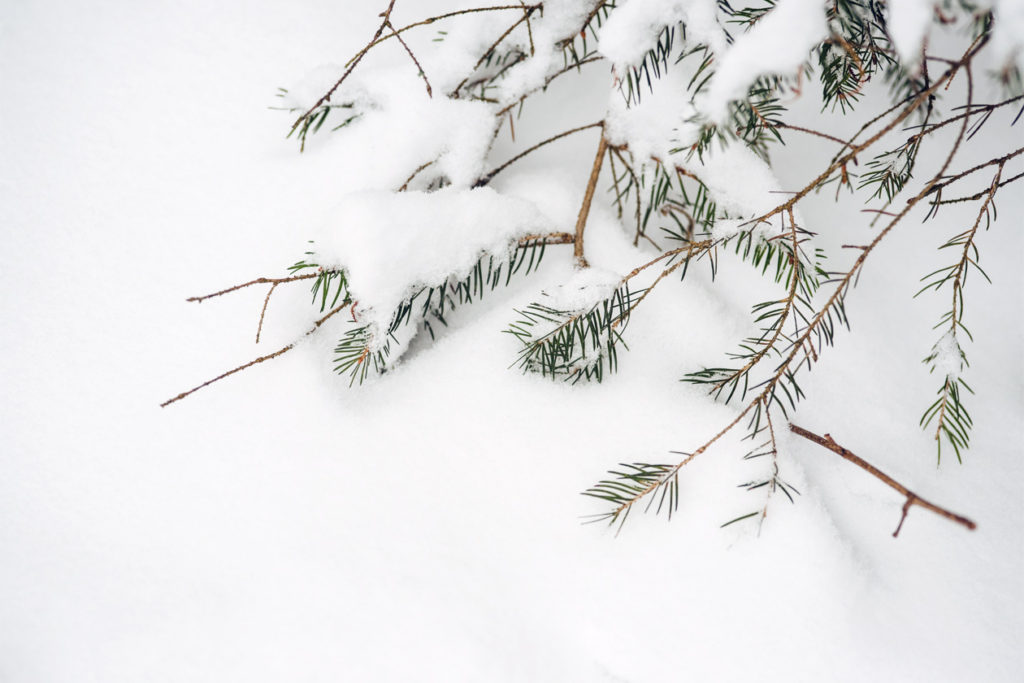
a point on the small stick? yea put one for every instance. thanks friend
(588, 196)
(430, 92)
(490, 175)
(270, 356)
(386, 14)
(263, 312)
(912, 498)
(551, 238)
(275, 281)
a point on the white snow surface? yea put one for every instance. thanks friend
(278, 526)
(391, 244)
(777, 44)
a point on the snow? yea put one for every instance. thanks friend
(947, 357)
(583, 290)
(657, 125)
(279, 526)
(561, 20)
(779, 43)
(909, 22)
(392, 244)
(1008, 35)
(633, 29)
(455, 134)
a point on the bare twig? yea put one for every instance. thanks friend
(261, 359)
(486, 178)
(263, 311)
(421, 168)
(352, 64)
(552, 238)
(588, 197)
(258, 281)
(430, 92)
(912, 498)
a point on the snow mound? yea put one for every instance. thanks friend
(390, 244)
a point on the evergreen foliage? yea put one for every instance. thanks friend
(668, 201)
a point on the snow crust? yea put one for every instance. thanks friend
(777, 44)
(391, 244)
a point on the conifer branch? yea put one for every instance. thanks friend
(912, 498)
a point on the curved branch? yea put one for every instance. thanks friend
(912, 498)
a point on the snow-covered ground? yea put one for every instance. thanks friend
(425, 527)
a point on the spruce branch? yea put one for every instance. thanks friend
(951, 418)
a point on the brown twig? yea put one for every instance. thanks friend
(352, 64)
(912, 498)
(439, 17)
(495, 44)
(430, 92)
(258, 281)
(486, 178)
(263, 311)
(551, 238)
(421, 168)
(588, 197)
(261, 359)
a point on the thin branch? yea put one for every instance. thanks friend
(263, 311)
(261, 359)
(979, 195)
(912, 498)
(588, 196)
(439, 17)
(552, 238)
(421, 168)
(486, 178)
(258, 281)
(352, 64)
(430, 92)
